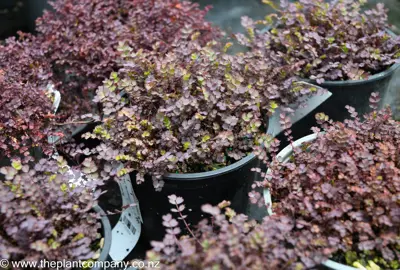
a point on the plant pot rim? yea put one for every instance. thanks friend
(337, 266)
(386, 73)
(284, 155)
(378, 76)
(195, 176)
(204, 175)
(106, 227)
(286, 152)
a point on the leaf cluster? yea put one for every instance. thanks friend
(26, 112)
(80, 38)
(346, 184)
(192, 109)
(42, 216)
(230, 241)
(334, 40)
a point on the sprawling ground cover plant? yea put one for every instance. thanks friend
(26, 111)
(80, 37)
(346, 184)
(43, 217)
(230, 241)
(193, 109)
(331, 40)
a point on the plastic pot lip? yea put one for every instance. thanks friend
(204, 175)
(284, 155)
(106, 226)
(337, 266)
(286, 152)
(196, 176)
(371, 79)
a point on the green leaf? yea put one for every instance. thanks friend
(250, 31)
(373, 266)
(146, 134)
(122, 172)
(216, 267)
(299, 266)
(123, 157)
(77, 237)
(330, 39)
(172, 158)
(205, 138)
(271, 4)
(272, 106)
(114, 75)
(52, 177)
(167, 122)
(247, 117)
(254, 126)
(205, 244)
(186, 77)
(344, 48)
(274, 31)
(358, 265)
(307, 68)
(64, 187)
(199, 116)
(195, 36)
(194, 56)
(269, 19)
(227, 46)
(299, 36)
(15, 188)
(16, 164)
(186, 145)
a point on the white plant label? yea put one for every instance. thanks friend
(126, 233)
(57, 96)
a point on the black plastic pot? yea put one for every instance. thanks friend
(230, 183)
(353, 93)
(106, 233)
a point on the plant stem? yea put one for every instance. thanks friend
(187, 225)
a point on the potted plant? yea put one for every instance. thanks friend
(26, 106)
(344, 181)
(227, 240)
(346, 50)
(80, 39)
(44, 217)
(187, 122)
